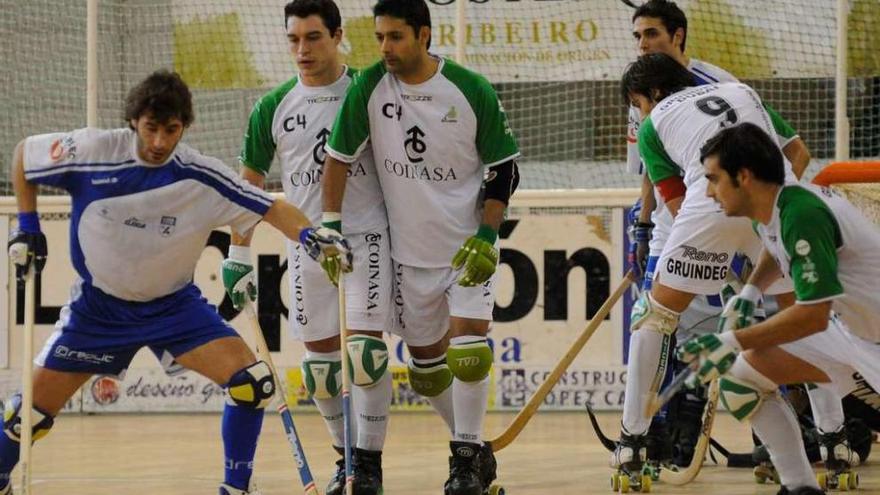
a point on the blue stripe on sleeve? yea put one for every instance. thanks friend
(701, 77)
(254, 200)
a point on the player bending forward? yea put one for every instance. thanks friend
(830, 250)
(143, 207)
(293, 122)
(434, 127)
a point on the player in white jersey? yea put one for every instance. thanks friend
(830, 251)
(435, 128)
(143, 208)
(702, 243)
(293, 121)
(660, 26)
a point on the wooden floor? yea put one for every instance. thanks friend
(182, 455)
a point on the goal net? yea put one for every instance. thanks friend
(556, 65)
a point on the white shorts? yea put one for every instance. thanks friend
(314, 302)
(840, 354)
(700, 249)
(425, 298)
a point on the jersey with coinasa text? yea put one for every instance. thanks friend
(137, 230)
(830, 249)
(294, 121)
(431, 143)
(671, 137)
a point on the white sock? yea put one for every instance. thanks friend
(331, 409)
(470, 400)
(370, 407)
(827, 409)
(645, 346)
(777, 427)
(442, 402)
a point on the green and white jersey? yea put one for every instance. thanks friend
(832, 252)
(294, 121)
(431, 142)
(671, 137)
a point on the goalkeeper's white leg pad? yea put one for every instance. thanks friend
(651, 315)
(743, 389)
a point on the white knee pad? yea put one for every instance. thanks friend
(368, 359)
(651, 315)
(743, 389)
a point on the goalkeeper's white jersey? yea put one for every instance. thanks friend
(294, 122)
(671, 137)
(431, 142)
(830, 249)
(704, 73)
(137, 230)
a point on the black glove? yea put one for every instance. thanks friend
(31, 243)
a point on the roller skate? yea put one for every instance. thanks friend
(336, 486)
(464, 470)
(839, 459)
(628, 459)
(488, 468)
(224, 490)
(764, 470)
(367, 472)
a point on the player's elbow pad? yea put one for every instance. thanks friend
(501, 181)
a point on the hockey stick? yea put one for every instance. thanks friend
(608, 443)
(346, 390)
(302, 465)
(27, 383)
(521, 419)
(686, 475)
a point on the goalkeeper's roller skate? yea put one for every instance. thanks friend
(488, 468)
(839, 460)
(464, 470)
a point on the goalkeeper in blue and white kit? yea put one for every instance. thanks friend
(143, 206)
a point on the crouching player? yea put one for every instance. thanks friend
(143, 208)
(830, 251)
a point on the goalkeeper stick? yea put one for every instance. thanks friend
(346, 390)
(305, 474)
(521, 419)
(27, 383)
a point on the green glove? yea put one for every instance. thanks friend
(238, 276)
(716, 354)
(739, 310)
(478, 257)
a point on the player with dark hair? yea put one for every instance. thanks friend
(292, 122)
(144, 205)
(445, 158)
(829, 250)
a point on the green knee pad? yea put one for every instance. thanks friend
(470, 362)
(740, 397)
(367, 359)
(323, 378)
(429, 382)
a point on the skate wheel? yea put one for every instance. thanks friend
(495, 490)
(624, 484)
(854, 481)
(646, 484)
(615, 483)
(822, 480)
(843, 482)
